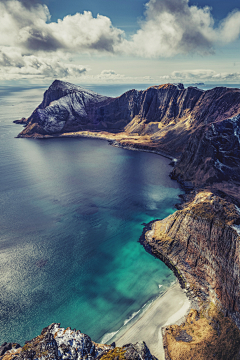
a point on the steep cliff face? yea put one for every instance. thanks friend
(204, 335)
(201, 126)
(67, 108)
(212, 154)
(57, 343)
(202, 243)
(64, 105)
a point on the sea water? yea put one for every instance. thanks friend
(72, 211)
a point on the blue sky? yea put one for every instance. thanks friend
(127, 41)
(125, 13)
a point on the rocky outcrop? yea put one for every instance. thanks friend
(201, 243)
(57, 343)
(205, 334)
(201, 128)
(212, 154)
(68, 108)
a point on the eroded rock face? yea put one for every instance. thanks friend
(212, 155)
(56, 343)
(202, 243)
(68, 108)
(201, 128)
(205, 334)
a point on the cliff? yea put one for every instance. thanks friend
(58, 344)
(201, 128)
(160, 112)
(201, 244)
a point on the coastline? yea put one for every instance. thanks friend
(132, 143)
(169, 308)
(114, 139)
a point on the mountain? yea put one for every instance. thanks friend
(56, 343)
(200, 130)
(200, 243)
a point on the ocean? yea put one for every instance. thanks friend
(72, 211)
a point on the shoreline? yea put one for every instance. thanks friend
(169, 308)
(172, 306)
(112, 138)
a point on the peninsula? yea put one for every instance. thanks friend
(200, 131)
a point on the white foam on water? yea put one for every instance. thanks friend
(131, 317)
(108, 336)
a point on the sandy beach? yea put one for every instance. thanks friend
(165, 310)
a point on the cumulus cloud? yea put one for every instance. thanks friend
(229, 28)
(173, 27)
(170, 27)
(30, 28)
(14, 65)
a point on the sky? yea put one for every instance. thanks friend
(127, 41)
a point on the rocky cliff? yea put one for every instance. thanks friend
(57, 343)
(160, 112)
(199, 127)
(200, 243)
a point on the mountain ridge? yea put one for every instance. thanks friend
(200, 130)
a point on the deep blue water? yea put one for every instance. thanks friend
(71, 215)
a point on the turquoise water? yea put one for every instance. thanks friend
(71, 215)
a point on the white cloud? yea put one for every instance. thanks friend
(83, 32)
(14, 65)
(110, 75)
(173, 27)
(229, 29)
(201, 75)
(30, 28)
(31, 44)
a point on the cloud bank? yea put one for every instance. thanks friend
(29, 28)
(191, 76)
(31, 44)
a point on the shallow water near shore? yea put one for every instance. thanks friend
(72, 211)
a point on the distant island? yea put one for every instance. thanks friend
(199, 84)
(200, 131)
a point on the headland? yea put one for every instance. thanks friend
(200, 131)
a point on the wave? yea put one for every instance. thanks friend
(131, 317)
(108, 336)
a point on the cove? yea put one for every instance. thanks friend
(71, 215)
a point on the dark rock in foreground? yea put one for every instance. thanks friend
(57, 343)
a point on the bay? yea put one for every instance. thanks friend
(71, 215)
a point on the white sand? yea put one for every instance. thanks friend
(166, 310)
